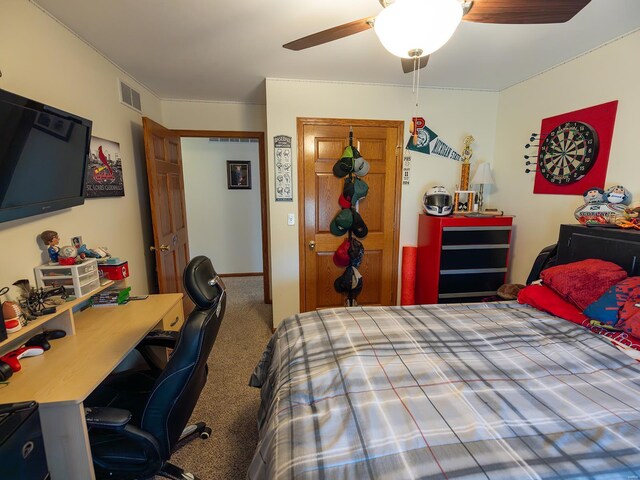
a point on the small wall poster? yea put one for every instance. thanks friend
(283, 164)
(406, 169)
(104, 172)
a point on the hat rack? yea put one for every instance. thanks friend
(345, 167)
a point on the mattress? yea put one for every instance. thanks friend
(497, 390)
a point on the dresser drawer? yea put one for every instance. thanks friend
(484, 282)
(455, 257)
(475, 235)
(174, 319)
(464, 298)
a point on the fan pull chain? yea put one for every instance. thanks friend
(416, 91)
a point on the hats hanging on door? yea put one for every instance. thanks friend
(351, 166)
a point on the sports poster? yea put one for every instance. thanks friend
(283, 164)
(104, 172)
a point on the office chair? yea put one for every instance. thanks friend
(136, 418)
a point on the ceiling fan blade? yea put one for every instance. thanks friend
(524, 11)
(331, 34)
(407, 63)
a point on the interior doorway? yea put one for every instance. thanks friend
(258, 182)
(167, 202)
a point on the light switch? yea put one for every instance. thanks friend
(291, 219)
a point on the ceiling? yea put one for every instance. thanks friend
(222, 51)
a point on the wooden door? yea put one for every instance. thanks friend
(168, 213)
(321, 143)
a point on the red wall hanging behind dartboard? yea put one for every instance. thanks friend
(574, 150)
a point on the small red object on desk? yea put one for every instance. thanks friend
(118, 271)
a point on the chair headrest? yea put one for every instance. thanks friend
(202, 283)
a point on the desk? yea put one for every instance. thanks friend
(61, 378)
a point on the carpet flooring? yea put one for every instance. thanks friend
(227, 404)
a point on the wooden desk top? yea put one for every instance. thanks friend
(76, 364)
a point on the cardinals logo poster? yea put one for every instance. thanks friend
(104, 172)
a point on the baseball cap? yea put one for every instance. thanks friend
(341, 256)
(350, 152)
(342, 222)
(360, 166)
(346, 164)
(360, 189)
(349, 282)
(343, 167)
(354, 189)
(344, 201)
(358, 227)
(355, 252)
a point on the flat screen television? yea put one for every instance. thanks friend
(43, 157)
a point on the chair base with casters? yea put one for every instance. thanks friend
(136, 418)
(199, 428)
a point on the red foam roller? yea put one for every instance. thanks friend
(409, 261)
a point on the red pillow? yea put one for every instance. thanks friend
(629, 317)
(546, 300)
(582, 283)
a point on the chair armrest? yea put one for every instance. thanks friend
(160, 338)
(107, 417)
(546, 258)
(115, 420)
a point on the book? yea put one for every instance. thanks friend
(111, 297)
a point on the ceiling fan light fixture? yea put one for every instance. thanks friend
(409, 25)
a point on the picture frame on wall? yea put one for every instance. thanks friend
(238, 175)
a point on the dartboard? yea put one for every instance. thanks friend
(568, 153)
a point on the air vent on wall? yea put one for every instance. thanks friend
(130, 97)
(233, 140)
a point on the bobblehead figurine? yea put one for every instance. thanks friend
(51, 240)
(618, 194)
(594, 195)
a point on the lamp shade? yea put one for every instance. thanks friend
(425, 25)
(483, 175)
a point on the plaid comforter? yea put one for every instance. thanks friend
(494, 390)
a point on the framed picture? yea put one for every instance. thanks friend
(104, 170)
(238, 175)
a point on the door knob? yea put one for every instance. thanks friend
(162, 248)
(312, 244)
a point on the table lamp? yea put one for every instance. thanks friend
(482, 177)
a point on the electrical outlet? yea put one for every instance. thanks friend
(291, 219)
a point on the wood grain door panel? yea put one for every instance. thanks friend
(321, 144)
(168, 212)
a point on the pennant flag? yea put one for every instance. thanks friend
(425, 140)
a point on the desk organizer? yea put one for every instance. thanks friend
(79, 280)
(62, 319)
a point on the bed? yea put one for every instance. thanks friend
(494, 390)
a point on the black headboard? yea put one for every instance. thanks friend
(617, 245)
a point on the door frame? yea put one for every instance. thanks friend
(260, 136)
(301, 122)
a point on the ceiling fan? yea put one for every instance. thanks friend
(413, 29)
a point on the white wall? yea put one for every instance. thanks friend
(608, 73)
(224, 224)
(452, 114)
(226, 116)
(40, 59)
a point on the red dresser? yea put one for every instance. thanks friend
(461, 259)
